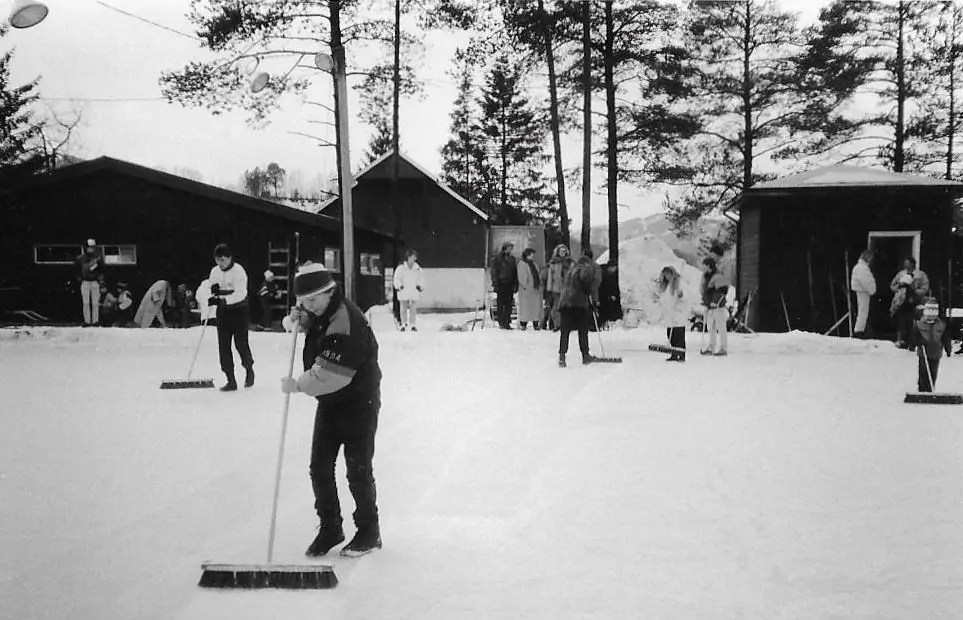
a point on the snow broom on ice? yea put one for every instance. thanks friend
(269, 575)
(932, 398)
(190, 383)
(598, 332)
(664, 348)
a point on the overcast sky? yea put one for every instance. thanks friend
(87, 54)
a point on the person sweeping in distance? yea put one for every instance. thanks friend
(341, 370)
(930, 338)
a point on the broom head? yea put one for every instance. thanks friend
(934, 398)
(661, 348)
(283, 576)
(187, 383)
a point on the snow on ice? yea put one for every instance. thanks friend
(787, 481)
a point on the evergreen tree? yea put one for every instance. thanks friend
(746, 53)
(461, 155)
(21, 137)
(885, 51)
(514, 190)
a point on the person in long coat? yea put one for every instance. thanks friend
(152, 305)
(529, 291)
(674, 309)
(558, 268)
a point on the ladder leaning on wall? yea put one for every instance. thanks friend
(279, 262)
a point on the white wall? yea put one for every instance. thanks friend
(454, 288)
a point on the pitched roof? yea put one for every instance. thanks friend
(188, 185)
(420, 169)
(850, 176)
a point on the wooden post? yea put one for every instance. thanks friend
(812, 299)
(784, 311)
(849, 300)
(832, 296)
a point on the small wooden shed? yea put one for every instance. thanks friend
(800, 236)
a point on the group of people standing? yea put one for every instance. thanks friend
(910, 287)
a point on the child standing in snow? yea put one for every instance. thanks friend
(930, 338)
(674, 310)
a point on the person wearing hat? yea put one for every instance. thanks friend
(341, 371)
(714, 289)
(91, 265)
(229, 293)
(267, 294)
(930, 337)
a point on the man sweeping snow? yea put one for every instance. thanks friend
(341, 370)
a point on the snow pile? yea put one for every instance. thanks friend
(640, 262)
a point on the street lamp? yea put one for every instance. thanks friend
(27, 13)
(336, 67)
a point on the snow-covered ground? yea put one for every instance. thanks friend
(787, 481)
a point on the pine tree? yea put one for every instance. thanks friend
(461, 154)
(514, 190)
(21, 137)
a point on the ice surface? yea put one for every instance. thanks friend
(786, 481)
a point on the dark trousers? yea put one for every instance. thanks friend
(359, 447)
(574, 319)
(676, 336)
(905, 317)
(265, 311)
(505, 301)
(233, 322)
(924, 380)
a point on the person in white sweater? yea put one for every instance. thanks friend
(229, 293)
(674, 310)
(863, 283)
(409, 281)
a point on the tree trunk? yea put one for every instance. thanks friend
(504, 158)
(554, 122)
(951, 129)
(747, 147)
(898, 152)
(395, 142)
(586, 238)
(612, 167)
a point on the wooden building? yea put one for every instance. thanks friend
(449, 233)
(800, 236)
(151, 226)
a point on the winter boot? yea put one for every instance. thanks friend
(231, 384)
(364, 541)
(327, 538)
(721, 353)
(587, 359)
(561, 360)
(249, 377)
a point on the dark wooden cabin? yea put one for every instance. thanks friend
(153, 225)
(800, 236)
(448, 232)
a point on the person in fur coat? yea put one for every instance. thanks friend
(152, 305)
(674, 309)
(558, 268)
(409, 281)
(910, 286)
(529, 291)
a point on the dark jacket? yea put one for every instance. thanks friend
(934, 338)
(714, 289)
(91, 266)
(579, 287)
(340, 341)
(504, 271)
(268, 289)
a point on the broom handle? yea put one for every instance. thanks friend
(926, 363)
(597, 331)
(197, 349)
(284, 429)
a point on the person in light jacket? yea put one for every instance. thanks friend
(152, 305)
(529, 291)
(674, 309)
(229, 293)
(714, 290)
(409, 281)
(910, 286)
(863, 283)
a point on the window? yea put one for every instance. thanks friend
(56, 254)
(370, 264)
(332, 259)
(120, 254)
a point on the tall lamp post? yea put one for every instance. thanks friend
(27, 13)
(336, 67)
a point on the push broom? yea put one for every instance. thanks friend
(269, 575)
(191, 383)
(932, 398)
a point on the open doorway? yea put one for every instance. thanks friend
(890, 249)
